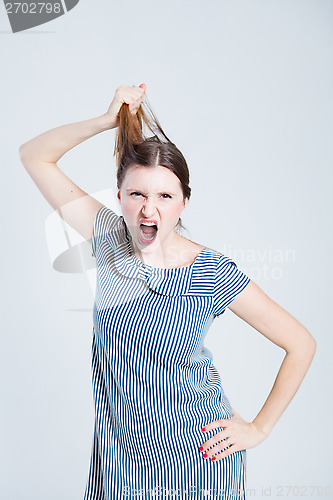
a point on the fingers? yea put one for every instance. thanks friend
(216, 438)
(221, 449)
(130, 95)
(137, 92)
(237, 434)
(222, 422)
(219, 442)
(133, 96)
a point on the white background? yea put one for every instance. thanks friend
(244, 89)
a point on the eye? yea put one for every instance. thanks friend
(165, 194)
(136, 193)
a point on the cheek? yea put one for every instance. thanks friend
(177, 210)
(128, 207)
(172, 213)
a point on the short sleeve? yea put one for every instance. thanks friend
(229, 282)
(105, 221)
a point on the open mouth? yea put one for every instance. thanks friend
(147, 232)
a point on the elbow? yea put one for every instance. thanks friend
(23, 155)
(312, 344)
(21, 152)
(308, 350)
(306, 347)
(311, 350)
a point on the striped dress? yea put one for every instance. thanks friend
(154, 382)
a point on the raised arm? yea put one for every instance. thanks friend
(40, 155)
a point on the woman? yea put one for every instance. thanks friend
(163, 424)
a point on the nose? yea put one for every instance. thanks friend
(148, 207)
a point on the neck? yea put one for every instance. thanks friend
(166, 255)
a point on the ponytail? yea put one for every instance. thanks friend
(132, 147)
(130, 131)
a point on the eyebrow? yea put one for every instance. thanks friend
(139, 191)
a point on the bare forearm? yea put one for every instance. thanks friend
(292, 371)
(50, 146)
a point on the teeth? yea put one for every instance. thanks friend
(148, 223)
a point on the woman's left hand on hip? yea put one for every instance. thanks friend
(238, 434)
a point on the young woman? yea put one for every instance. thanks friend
(163, 424)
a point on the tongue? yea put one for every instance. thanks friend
(148, 230)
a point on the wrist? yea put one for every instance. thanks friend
(264, 430)
(106, 123)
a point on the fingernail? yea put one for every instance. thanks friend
(213, 458)
(201, 448)
(205, 455)
(203, 429)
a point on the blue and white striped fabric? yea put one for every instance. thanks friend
(154, 382)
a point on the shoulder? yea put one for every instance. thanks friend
(212, 258)
(215, 259)
(204, 271)
(191, 253)
(218, 275)
(226, 268)
(109, 225)
(209, 258)
(229, 281)
(106, 218)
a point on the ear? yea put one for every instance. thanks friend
(118, 194)
(185, 202)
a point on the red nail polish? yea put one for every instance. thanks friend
(214, 458)
(205, 455)
(203, 429)
(201, 448)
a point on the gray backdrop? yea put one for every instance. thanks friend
(244, 88)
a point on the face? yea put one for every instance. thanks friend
(151, 194)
